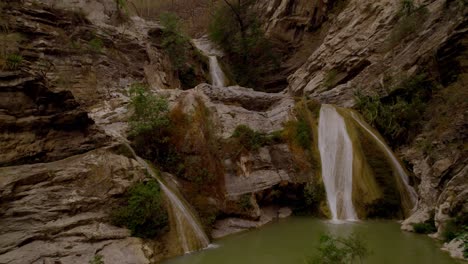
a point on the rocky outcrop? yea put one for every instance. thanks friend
(39, 125)
(58, 211)
(63, 116)
(363, 46)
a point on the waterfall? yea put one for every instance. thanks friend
(190, 233)
(336, 153)
(217, 75)
(218, 78)
(410, 192)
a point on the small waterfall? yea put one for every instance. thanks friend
(410, 193)
(336, 153)
(191, 234)
(217, 75)
(218, 78)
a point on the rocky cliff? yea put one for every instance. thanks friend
(349, 47)
(63, 113)
(64, 117)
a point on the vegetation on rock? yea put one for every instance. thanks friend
(144, 213)
(426, 227)
(397, 114)
(236, 29)
(252, 140)
(410, 19)
(301, 137)
(161, 136)
(151, 113)
(179, 49)
(97, 259)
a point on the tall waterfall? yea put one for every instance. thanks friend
(336, 153)
(408, 194)
(218, 78)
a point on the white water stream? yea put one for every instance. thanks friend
(217, 75)
(218, 78)
(336, 153)
(190, 233)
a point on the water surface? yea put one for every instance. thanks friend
(291, 240)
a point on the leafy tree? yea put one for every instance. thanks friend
(177, 46)
(174, 42)
(339, 250)
(235, 28)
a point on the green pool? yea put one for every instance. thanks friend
(291, 240)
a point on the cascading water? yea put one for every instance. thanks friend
(336, 153)
(190, 233)
(218, 78)
(217, 75)
(410, 192)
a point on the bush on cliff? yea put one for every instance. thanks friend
(144, 213)
(426, 227)
(400, 111)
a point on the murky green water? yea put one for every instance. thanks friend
(290, 241)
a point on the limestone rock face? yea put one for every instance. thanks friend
(289, 20)
(63, 116)
(40, 125)
(357, 51)
(58, 211)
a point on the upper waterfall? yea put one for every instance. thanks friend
(336, 153)
(218, 78)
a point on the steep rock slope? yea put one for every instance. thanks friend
(63, 112)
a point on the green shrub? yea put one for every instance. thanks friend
(244, 202)
(150, 112)
(144, 213)
(427, 227)
(177, 46)
(97, 259)
(303, 134)
(398, 113)
(250, 139)
(338, 250)
(174, 42)
(13, 61)
(454, 228)
(96, 44)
